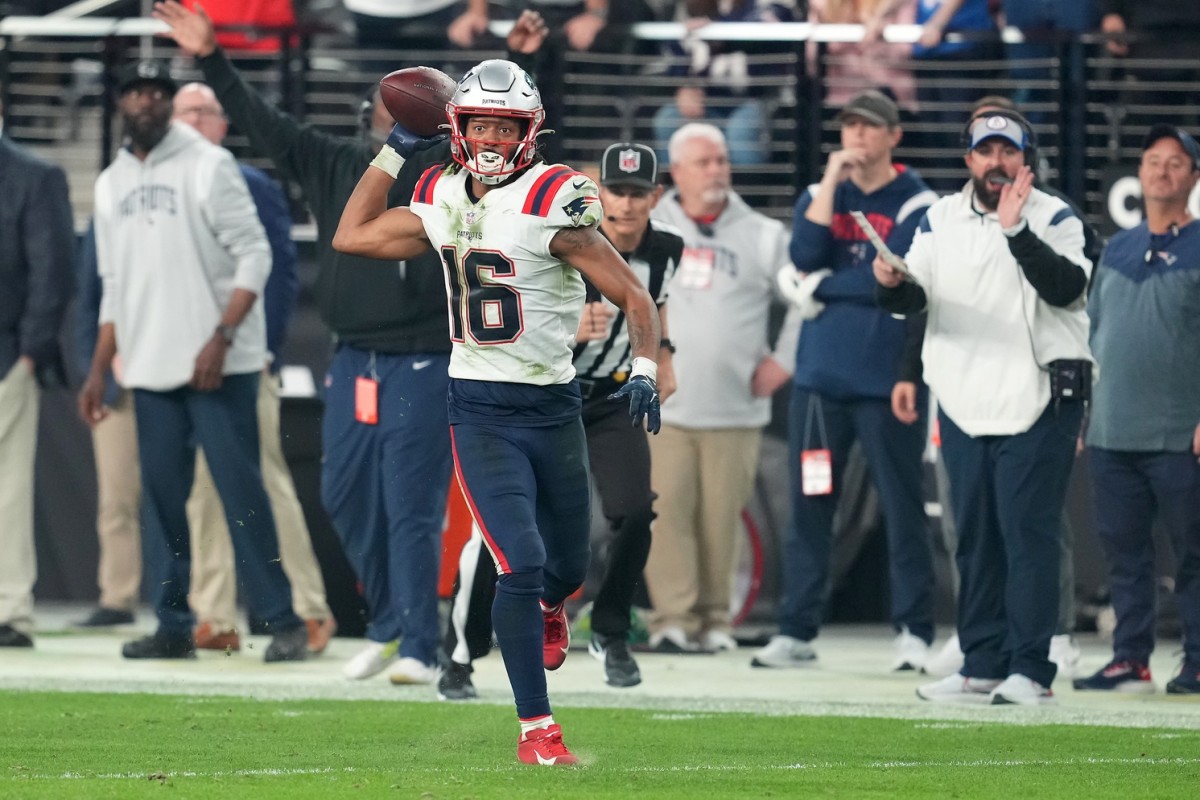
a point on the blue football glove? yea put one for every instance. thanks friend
(409, 144)
(643, 401)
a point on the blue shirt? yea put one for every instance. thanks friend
(1145, 335)
(852, 349)
(973, 15)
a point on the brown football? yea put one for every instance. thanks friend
(416, 98)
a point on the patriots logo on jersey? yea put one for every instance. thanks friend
(578, 207)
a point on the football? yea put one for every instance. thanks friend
(416, 98)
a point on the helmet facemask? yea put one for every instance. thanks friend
(495, 88)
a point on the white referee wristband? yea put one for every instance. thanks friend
(644, 366)
(389, 161)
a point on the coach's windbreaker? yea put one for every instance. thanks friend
(175, 235)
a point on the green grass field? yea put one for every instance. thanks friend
(57, 745)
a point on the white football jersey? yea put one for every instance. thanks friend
(514, 307)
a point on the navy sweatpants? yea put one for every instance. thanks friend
(224, 423)
(385, 486)
(1131, 490)
(893, 452)
(1007, 494)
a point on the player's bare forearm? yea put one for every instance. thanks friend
(590, 253)
(369, 228)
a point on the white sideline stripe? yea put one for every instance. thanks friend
(819, 765)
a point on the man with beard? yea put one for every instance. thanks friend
(1001, 270)
(184, 258)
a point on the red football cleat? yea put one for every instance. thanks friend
(545, 747)
(557, 636)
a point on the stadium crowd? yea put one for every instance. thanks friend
(974, 308)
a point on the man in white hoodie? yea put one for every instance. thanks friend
(183, 258)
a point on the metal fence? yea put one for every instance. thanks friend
(1090, 110)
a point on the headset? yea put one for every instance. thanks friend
(1031, 142)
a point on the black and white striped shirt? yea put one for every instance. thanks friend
(654, 262)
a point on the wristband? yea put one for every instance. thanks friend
(667, 344)
(644, 366)
(389, 161)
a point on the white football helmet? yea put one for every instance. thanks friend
(495, 88)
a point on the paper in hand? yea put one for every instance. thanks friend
(881, 247)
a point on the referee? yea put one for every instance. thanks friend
(618, 453)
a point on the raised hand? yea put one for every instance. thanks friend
(1013, 197)
(193, 31)
(407, 144)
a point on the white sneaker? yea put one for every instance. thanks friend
(784, 651)
(371, 660)
(718, 641)
(1065, 653)
(958, 688)
(947, 661)
(1021, 691)
(671, 639)
(911, 652)
(409, 671)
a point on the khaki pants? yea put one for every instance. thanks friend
(703, 479)
(214, 581)
(18, 442)
(118, 524)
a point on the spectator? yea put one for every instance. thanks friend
(852, 67)
(618, 454)
(213, 578)
(1165, 31)
(941, 94)
(845, 369)
(1144, 431)
(35, 271)
(193, 366)
(247, 14)
(514, 406)
(717, 80)
(1000, 267)
(704, 462)
(1037, 18)
(383, 483)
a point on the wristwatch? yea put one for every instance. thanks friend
(666, 344)
(227, 333)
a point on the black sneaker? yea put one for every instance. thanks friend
(160, 646)
(105, 618)
(454, 682)
(11, 637)
(1126, 677)
(1187, 681)
(290, 645)
(620, 669)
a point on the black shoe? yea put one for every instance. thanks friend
(157, 645)
(619, 667)
(1186, 682)
(454, 683)
(288, 646)
(106, 617)
(11, 637)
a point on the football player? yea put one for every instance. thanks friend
(514, 235)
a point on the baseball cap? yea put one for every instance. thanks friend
(629, 164)
(147, 70)
(873, 106)
(1163, 130)
(989, 126)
